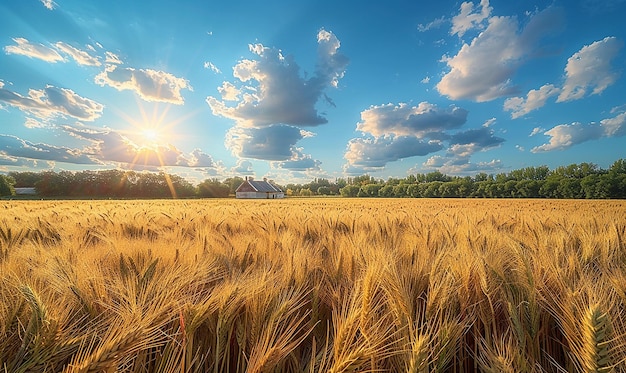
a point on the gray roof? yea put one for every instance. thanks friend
(263, 186)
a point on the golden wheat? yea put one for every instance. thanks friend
(316, 285)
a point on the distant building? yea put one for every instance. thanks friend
(258, 189)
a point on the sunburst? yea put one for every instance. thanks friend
(151, 133)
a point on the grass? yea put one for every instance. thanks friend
(313, 285)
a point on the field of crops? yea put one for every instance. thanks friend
(313, 285)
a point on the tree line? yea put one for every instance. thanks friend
(114, 184)
(584, 180)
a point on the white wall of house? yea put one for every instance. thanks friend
(260, 195)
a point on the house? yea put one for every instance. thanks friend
(251, 188)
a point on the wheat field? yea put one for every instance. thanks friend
(313, 285)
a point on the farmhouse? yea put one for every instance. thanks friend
(258, 189)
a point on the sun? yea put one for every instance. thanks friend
(150, 135)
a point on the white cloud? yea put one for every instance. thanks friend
(112, 58)
(31, 50)
(459, 166)
(590, 69)
(272, 143)
(212, 67)
(489, 122)
(229, 92)
(33, 123)
(49, 4)
(482, 70)
(426, 80)
(243, 167)
(402, 119)
(272, 91)
(436, 23)
(150, 85)
(367, 153)
(481, 138)
(402, 131)
(52, 101)
(536, 131)
(564, 136)
(81, 57)
(14, 147)
(299, 162)
(467, 19)
(535, 99)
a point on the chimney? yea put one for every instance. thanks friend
(265, 179)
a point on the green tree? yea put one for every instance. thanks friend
(350, 191)
(25, 179)
(6, 186)
(386, 191)
(370, 190)
(324, 190)
(213, 188)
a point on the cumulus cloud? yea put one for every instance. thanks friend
(481, 138)
(229, 91)
(590, 69)
(201, 159)
(482, 70)
(273, 143)
(150, 85)
(32, 50)
(273, 91)
(14, 147)
(395, 132)
(404, 120)
(535, 99)
(52, 101)
(81, 57)
(565, 136)
(243, 167)
(299, 162)
(467, 19)
(367, 153)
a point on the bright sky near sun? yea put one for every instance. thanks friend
(293, 90)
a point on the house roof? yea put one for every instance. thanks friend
(260, 186)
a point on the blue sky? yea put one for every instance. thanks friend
(296, 90)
